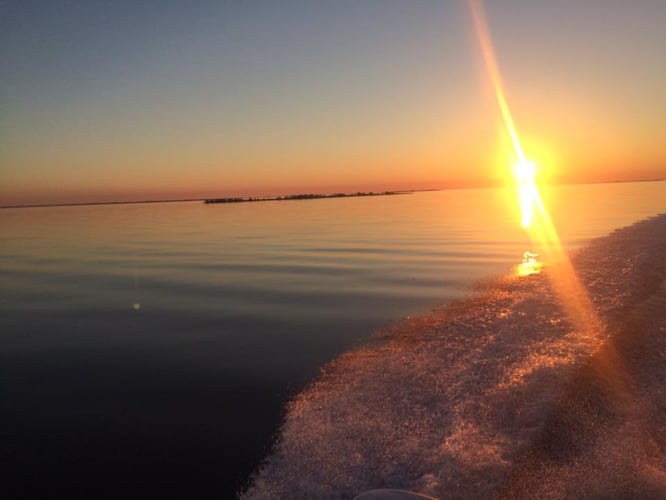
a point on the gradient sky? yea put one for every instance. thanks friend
(124, 100)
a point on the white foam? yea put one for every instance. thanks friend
(445, 404)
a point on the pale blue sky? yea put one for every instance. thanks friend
(151, 98)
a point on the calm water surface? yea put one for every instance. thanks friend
(152, 347)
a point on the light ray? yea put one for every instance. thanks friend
(524, 170)
(570, 292)
(535, 217)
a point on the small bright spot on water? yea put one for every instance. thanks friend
(136, 306)
(530, 265)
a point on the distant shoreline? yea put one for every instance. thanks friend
(308, 196)
(92, 203)
(296, 197)
(226, 199)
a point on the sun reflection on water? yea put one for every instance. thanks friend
(530, 265)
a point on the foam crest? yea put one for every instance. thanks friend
(487, 394)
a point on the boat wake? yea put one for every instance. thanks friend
(497, 395)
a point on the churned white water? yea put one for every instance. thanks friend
(498, 395)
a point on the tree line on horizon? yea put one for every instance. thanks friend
(307, 196)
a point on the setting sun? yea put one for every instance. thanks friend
(524, 172)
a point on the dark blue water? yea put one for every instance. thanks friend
(151, 348)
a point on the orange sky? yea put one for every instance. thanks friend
(257, 99)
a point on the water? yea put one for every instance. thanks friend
(152, 347)
(528, 385)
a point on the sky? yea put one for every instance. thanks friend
(129, 100)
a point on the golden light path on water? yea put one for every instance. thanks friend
(535, 218)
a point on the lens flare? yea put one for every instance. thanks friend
(570, 292)
(524, 170)
(535, 217)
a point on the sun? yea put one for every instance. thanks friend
(525, 173)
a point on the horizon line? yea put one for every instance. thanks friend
(203, 198)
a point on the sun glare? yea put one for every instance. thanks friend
(524, 172)
(570, 292)
(535, 217)
(530, 265)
